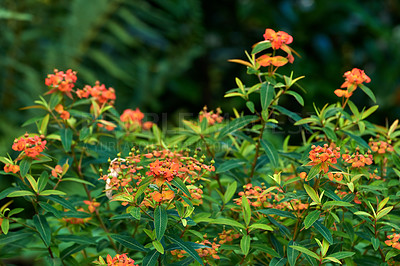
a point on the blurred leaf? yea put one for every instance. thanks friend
(43, 228)
(160, 221)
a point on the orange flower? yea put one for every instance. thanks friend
(343, 93)
(163, 171)
(393, 241)
(358, 160)
(32, 146)
(166, 195)
(133, 119)
(277, 39)
(355, 77)
(120, 260)
(303, 175)
(11, 168)
(337, 176)
(57, 170)
(63, 114)
(324, 156)
(92, 205)
(99, 92)
(266, 60)
(61, 81)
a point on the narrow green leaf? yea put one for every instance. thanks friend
(32, 182)
(375, 243)
(129, 242)
(342, 254)
(229, 165)
(77, 180)
(236, 124)
(245, 244)
(266, 95)
(63, 202)
(5, 225)
(151, 258)
(392, 253)
(48, 208)
(369, 111)
(292, 253)
(311, 218)
(337, 203)
(383, 212)
(261, 46)
(357, 139)
(314, 171)
(25, 165)
(306, 251)
(66, 138)
(330, 133)
(42, 181)
(278, 262)
(43, 228)
(135, 213)
(52, 192)
(311, 192)
(362, 213)
(278, 213)
(20, 193)
(178, 183)
(332, 259)
(261, 226)
(224, 221)
(186, 247)
(297, 96)
(77, 239)
(158, 246)
(246, 210)
(250, 105)
(72, 250)
(271, 152)
(43, 125)
(230, 191)
(368, 92)
(323, 231)
(160, 221)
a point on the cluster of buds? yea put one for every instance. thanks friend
(325, 156)
(208, 253)
(133, 120)
(278, 40)
(358, 160)
(61, 81)
(353, 78)
(380, 146)
(212, 117)
(393, 241)
(227, 236)
(257, 196)
(160, 168)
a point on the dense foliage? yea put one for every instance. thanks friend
(102, 187)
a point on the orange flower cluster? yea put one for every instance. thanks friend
(278, 40)
(60, 81)
(337, 176)
(256, 196)
(227, 236)
(206, 253)
(120, 260)
(100, 93)
(74, 220)
(325, 156)
(125, 174)
(357, 160)
(60, 110)
(31, 146)
(353, 78)
(92, 205)
(133, 120)
(393, 241)
(11, 168)
(381, 147)
(211, 117)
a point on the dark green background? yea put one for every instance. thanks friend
(171, 56)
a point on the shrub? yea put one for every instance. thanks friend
(104, 188)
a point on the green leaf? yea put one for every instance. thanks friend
(178, 183)
(271, 152)
(78, 239)
(278, 262)
(368, 92)
(332, 259)
(297, 96)
(369, 111)
(306, 251)
(311, 192)
(357, 139)
(186, 247)
(224, 221)
(392, 253)
(330, 133)
(311, 218)
(314, 171)
(15, 211)
(151, 258)
(323, 231)
(266, 95)
(32, 182)
(129, 242)
(72, 250)
(245, 244)
(66, 138)
(236, 124)
(135, 213)
(20, 193)
(158, 246)
(14, 237)
(250, 105)
(24, 166)
(52, 192)
(160, 221)
(261, 46)
(42, 181)
(383, 212)
(43, 125)
(48, 208)
(43, 228)
(229, 165)
(246, 210)
(77, 180)
(5, 225)
(292, 253)
(362, 213)
(337, 203)
(375, 243)
(261, 226)
(278, 213)
(142, 187)
(342, 254)
(84, 133)
(230, 191)
(63, 202)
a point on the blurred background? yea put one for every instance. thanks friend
(170, 56)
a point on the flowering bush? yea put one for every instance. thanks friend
(90, 183)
